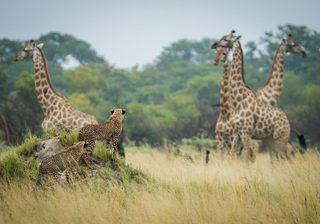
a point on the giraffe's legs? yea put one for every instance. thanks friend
(236, 144)
(278, 145)
(221, 142)
(244, 141)
(249, 153)
(224, 145)
(279, 149)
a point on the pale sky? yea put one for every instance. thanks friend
(130, 32)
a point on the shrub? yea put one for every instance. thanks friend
(12, 166)
(28, 145)
(199, 142)
(67, 138)
(101, 151)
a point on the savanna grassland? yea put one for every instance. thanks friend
(181, 191)
(172, 99)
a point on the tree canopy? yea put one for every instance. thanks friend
(170, 99)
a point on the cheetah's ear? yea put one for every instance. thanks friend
(112, 111)
(123, 111)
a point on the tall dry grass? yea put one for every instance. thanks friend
(224, 191)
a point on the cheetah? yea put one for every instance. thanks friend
(110, 130)
(59, 165)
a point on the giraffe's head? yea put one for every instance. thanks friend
(27, 51)
(226, 41)
(294, 47)
(221, 56)
(223, 46)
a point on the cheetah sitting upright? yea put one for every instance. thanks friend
(59, 165)
(109, 130)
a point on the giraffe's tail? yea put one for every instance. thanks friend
(216, 105)
(301, 139)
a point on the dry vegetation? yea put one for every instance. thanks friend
(224, 191)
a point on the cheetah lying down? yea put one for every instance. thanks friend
(59, 165)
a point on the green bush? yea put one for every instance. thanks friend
(199, 142)
(67, 138)
(28, 145)
(101, 151)
(12, 166)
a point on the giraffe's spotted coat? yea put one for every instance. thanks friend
(57, 110)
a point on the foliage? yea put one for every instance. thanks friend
(19, 165)
(170, 99)
(60, 46)
(101, 151)
(186, 50)
(28, 144)
(66, 137)
(20, 110)
(83, 78)
(12, 166)
(308, 68)
(80, 100)
(8, 49)
(141, 127)
(199, 142)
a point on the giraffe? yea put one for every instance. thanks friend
(251, 118)
(272, 89)
(57, 110)
(222, 52)
(223, 130)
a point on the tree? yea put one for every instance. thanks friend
(310, 39)
(83, 78)
(21, 111)
(8, 50)
(140, 127)
(170, 99)
(60, 46)
(198, 52)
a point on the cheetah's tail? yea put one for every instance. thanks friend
(301, 139)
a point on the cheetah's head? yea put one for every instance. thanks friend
(78, 147)
(119, 113)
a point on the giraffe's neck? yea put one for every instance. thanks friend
(46, 95)
(239, 89)
(225, 92)
(272, 90)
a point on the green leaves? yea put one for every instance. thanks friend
(12, 166)
(170, 99)
(8, 50)
(198, 52)
(59, 46)
(308, 38)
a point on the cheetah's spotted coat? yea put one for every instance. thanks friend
(109, 130)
